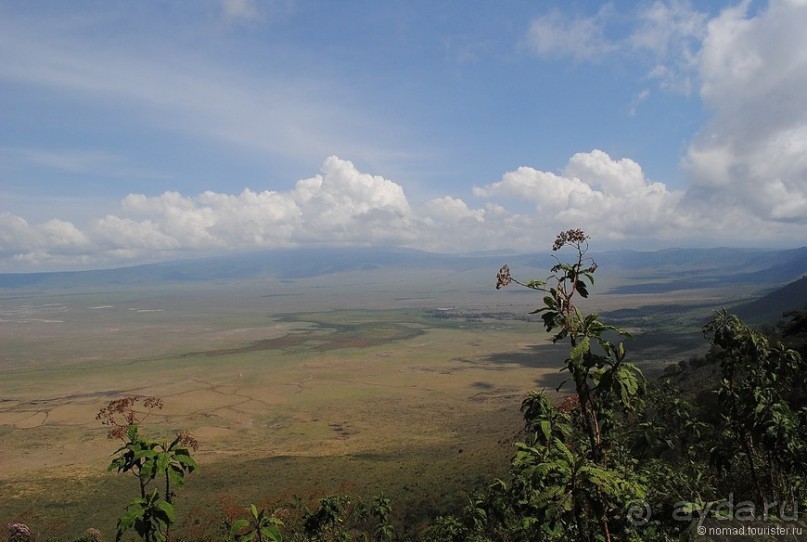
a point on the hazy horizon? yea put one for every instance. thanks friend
(503, 253)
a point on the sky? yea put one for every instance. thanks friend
(134, 132)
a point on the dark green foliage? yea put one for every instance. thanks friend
(756, 376)
(326, 521)
(259, 527)
(150, 517)
(572, 479)
(381, 509)
(794, 331)
(446, 529)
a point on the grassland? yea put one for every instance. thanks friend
(310, 387)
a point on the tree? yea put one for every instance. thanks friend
(757, 376)
(152, 514)
(574, 477)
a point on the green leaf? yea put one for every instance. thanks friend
(168, 510)
(550, 495)
(134, 510)
(580, 350)
(144, 453)
(238, 525)
(581, 288)
(546, 429)
(564, 450)
(184, 458)
(131, 433)
(602, 478)
(273, 533)
(162, 460)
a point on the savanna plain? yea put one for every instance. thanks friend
(351, 383)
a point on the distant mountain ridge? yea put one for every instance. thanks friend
(681, 269)
(279, 263)
(662, 270)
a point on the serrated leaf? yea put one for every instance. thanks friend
(131, 433)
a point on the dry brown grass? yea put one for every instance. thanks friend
(377, 399)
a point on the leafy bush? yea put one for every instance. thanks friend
(151, 462)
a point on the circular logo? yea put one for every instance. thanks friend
(638, 513)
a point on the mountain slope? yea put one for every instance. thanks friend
(647, 272)
(685, 269)
(770, 307)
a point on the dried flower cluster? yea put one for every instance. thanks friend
(18, 532)
(93, 535)
(120, 414)
(503, 277)
(575, 237)
(186, 439)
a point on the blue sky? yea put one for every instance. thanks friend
(145, 131)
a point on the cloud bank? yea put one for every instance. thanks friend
(747, 167)
(611, 198)
(753, 153)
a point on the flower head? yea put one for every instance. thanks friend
(575, 237)
(18, 532)
(186, 439)
(503, 277)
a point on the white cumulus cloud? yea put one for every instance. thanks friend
(753, 153)
(596, 192)
(453, 210)
(611, 198)
(341, 205)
